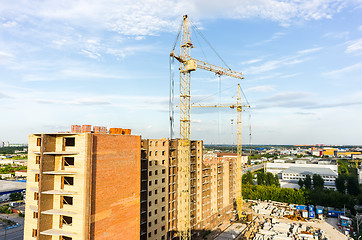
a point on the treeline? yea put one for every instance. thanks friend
(266, 155)
(323, 197)
(4, 169)
(10, 150)
(273, 193)
(318, 182)
(262, 178)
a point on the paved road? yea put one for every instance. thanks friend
(253, 168)
(12, 234)
(15, 233)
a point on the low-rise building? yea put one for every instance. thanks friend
(290, 173)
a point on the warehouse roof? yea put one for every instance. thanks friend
(11, 186)
(310, 171)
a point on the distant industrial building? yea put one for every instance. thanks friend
(98, 185)
(335, 152)
(8, 187)
(290, 173)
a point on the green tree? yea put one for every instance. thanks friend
(269, 179)
(352, 185)
(248, 178)
(276, 180)
(318, 182)
(308, 182)
(301, 183)
(340, 184)
(260, 178)
(16, 196)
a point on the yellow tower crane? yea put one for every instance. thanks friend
(239, 108)
(187, 65)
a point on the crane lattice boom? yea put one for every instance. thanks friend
(239, 108)
(188, 64)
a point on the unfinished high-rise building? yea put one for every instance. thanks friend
(112, 185)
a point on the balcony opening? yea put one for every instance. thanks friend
(38, 141)
(65, 220)
(34, 233)
(69, 142)
(36, 196)
(37, 160)
(64, 200)
(68, 161)
(65, 238)
(67, 181)
(36, 177)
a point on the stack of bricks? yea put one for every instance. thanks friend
(120, 131)
(98, 129)
(76, 129)
(86, 128)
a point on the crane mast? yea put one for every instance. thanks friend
(184, 149)
(239, 108)
(187, 65)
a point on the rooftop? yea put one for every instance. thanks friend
(310, 171)
(11, 186)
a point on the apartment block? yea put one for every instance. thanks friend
(104, 184)
(83, 185)
(212, 189)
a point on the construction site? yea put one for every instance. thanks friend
(105, 183)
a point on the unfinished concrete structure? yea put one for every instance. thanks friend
(212, 194)
(99, 185)
(83, 185)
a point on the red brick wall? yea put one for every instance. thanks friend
(115, 197)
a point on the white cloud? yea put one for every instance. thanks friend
(284, 12)
(6, 57)
(265, 88)
(91, 54)
(310, 50)
(9, 24)
(282, 62)
(256, 60)
(288, 96)
(289, 75)
(196, 121)
(274, 37)
(354, 46)
(74, 73)
(81, 101)
(274, 64)
(336, 35)
(149, 17)
(339, 72)
(3, 95)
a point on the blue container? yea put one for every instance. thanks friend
(319, 210)
(344, 223)
(311, 214)
(311, 208)
(334, 213)
(301, 207)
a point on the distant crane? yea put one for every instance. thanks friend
(187, 65)
(239, 108)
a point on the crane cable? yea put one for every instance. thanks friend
(172, 97)
(200, 33)
(172, 87)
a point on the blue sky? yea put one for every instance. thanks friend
(106, 63)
